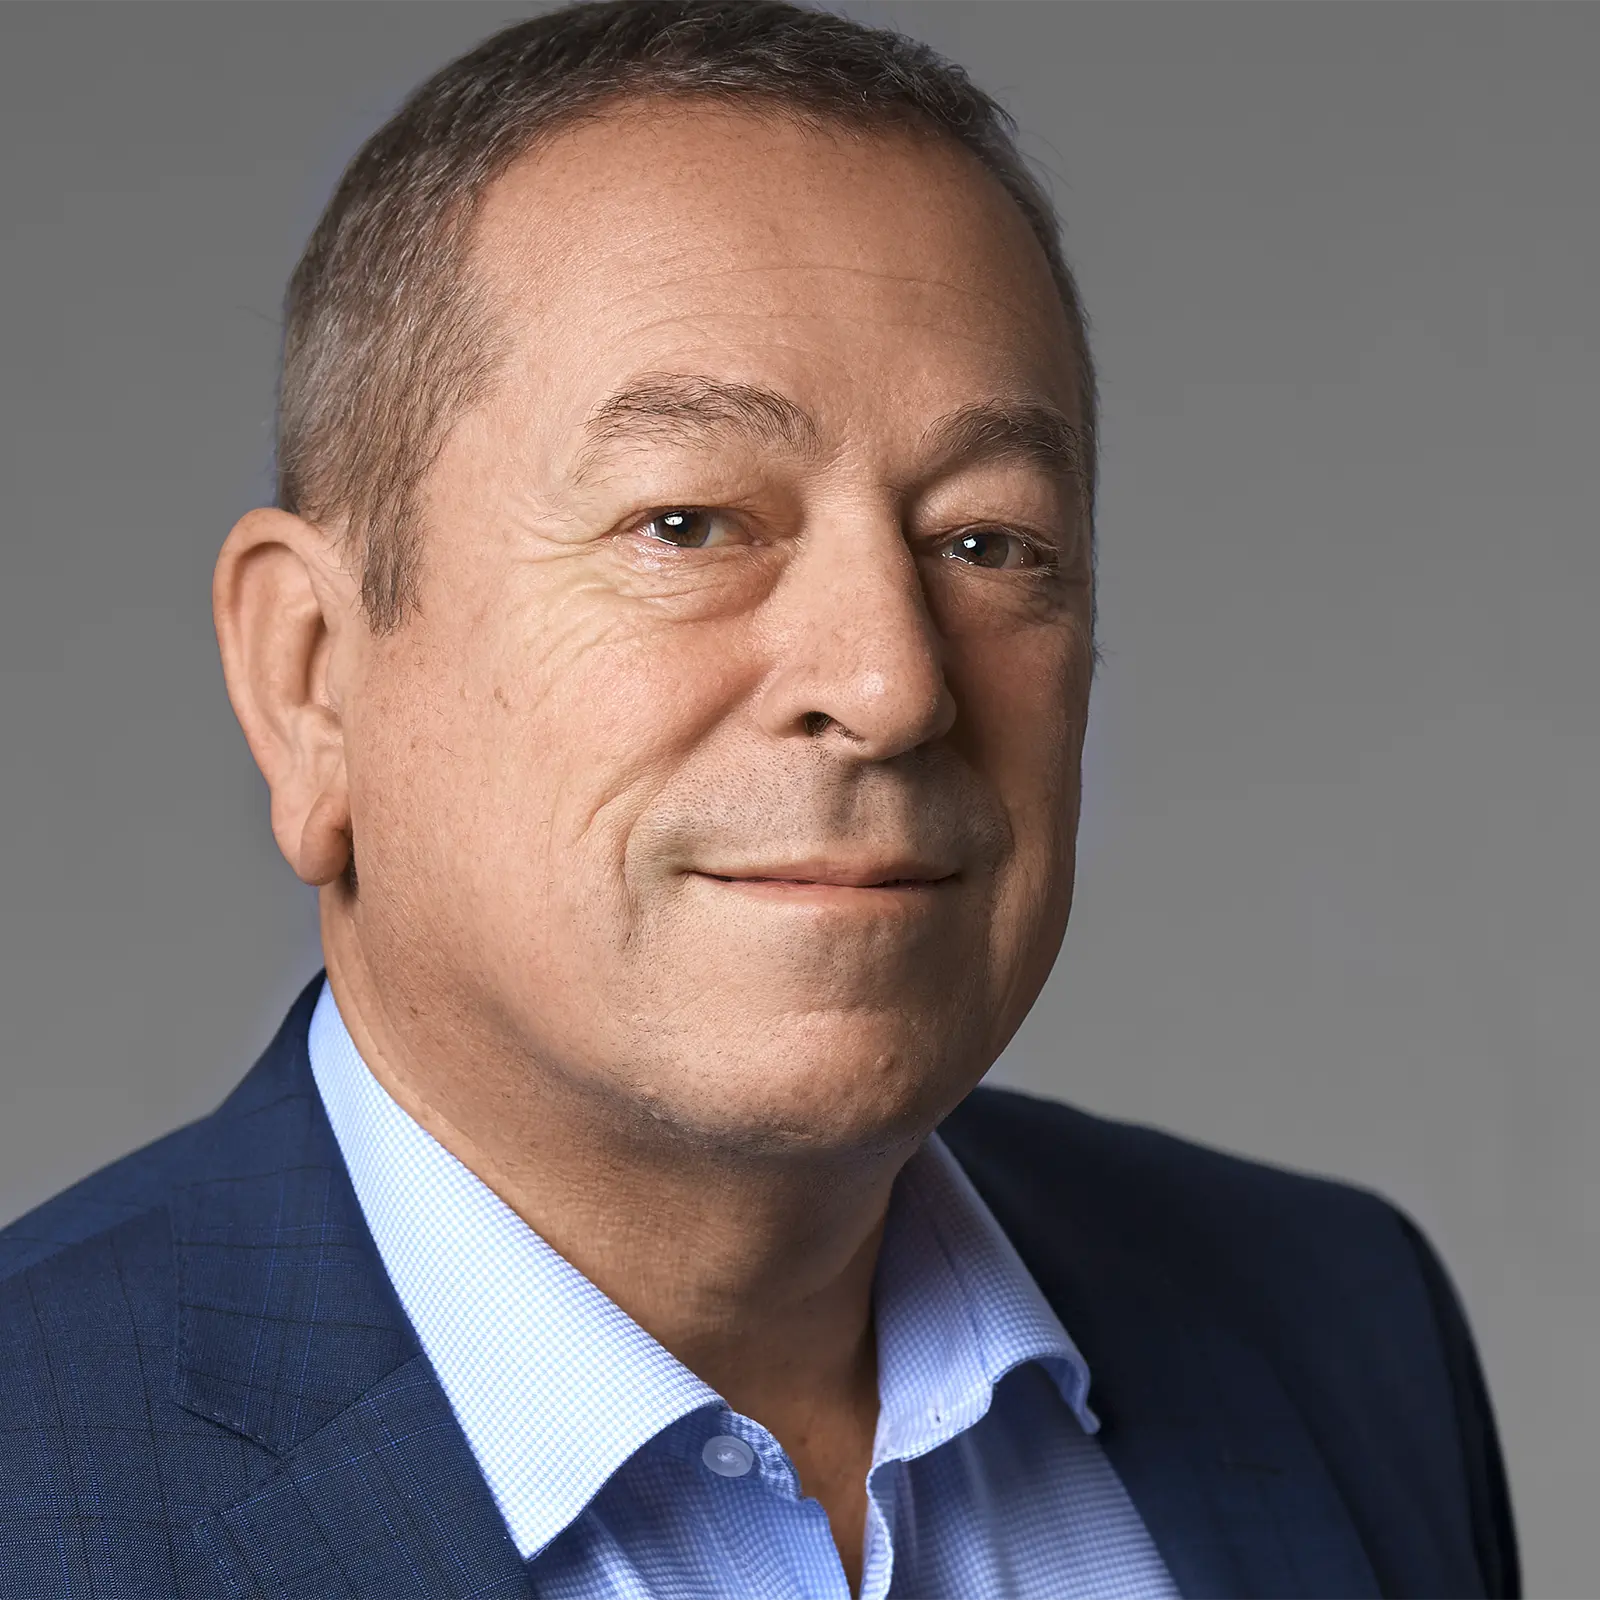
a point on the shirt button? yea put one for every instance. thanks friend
(728, 1457)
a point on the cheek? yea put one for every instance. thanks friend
(588, 713)
(1035, 892)
(415, 759)
(1024, 701)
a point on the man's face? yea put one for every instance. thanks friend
(729, 767)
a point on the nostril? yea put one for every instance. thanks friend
(815, 722)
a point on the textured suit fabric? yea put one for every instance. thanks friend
(208, 1387)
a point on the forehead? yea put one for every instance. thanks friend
(879, 272)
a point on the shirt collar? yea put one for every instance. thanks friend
(956, 1310)
(555, 1386)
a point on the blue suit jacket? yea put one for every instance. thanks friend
(208, 1388)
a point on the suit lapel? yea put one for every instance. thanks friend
(382, 1503)
(1208, 1444)
(291, 1335)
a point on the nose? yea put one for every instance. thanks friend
(857, 659)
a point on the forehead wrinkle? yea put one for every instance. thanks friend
(678, 408)
(1010, 305)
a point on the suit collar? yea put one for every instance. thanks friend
(290, 1335)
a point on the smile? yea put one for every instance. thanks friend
(882, 875)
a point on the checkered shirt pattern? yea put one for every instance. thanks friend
(609, 1460)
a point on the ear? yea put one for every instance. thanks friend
(282, 608)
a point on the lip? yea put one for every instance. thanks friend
(833, 874)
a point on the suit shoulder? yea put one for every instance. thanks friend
(1138, 1179)
(1322, 1272)
(1343, 1290)
(1032, 1125)
(148, 1179)
(249, 1125)
(107, 1199)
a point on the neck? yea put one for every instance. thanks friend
(754, 1271)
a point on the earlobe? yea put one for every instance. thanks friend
(325, 847)
(280, 605)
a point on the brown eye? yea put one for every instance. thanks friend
(689, 528)
(995, 548)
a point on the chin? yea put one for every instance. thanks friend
(838, 1085)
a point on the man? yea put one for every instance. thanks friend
(670, 658)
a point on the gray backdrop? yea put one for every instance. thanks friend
(1340, 899)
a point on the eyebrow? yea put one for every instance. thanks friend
(672, 408)
(1031, 431)
(668, 408)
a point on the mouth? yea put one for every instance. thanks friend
(823, 875)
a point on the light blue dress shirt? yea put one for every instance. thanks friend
(621, 1475)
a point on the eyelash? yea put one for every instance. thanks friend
(1044, 557)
